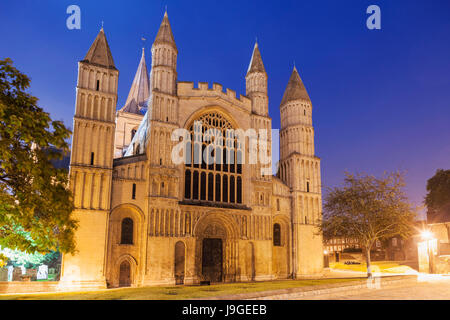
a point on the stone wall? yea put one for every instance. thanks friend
(28, 287)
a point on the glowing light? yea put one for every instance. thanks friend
(325, 251)
(426, 235)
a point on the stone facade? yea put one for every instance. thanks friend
(146, 220)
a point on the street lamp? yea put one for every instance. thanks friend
(427, 235)
(326, 261)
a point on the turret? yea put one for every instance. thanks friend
(164, 60)
(297, 132)
(300, 170)
(256, 84)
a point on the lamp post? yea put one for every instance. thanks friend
(428, 237)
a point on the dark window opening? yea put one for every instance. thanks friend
(187, 184)
(133, 192)
(203, 187)
(217, 187)
(92, 158)
(276, 235)
(195, 184)
(98, 85)
(239, 190)
(210, 187)
(127, 231)
(133, 132)
(278, 204)
(232, 190)
(307, 186)
(225, 189)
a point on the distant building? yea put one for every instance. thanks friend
(340, 244)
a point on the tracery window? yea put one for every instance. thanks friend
(219, 178)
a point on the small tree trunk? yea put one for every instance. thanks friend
(369, 267)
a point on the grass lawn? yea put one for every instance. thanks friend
(51, 277)
(175, 292)
(377, 266)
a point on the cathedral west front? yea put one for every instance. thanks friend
(146, 218)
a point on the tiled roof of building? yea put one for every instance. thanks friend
(295, 89)
(140, 89)
(256, 63)
(165, 34)
(99, 53)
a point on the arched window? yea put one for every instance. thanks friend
(220, 181)
(276, 235)
(127, 231)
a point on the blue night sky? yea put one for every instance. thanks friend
(380, 97)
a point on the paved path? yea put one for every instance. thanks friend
(425, 289)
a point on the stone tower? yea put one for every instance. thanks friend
(164, 60)
(164, 113)
(300, 170)
(256, 90)
(91, 164)
(130, 115)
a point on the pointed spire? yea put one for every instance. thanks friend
(140, 89)
(295, 89)
(165, 34)
(256, 63)
(99, 53)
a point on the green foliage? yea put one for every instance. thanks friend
(438, 197)
(30, 260)
(35, 202)
(367, 209)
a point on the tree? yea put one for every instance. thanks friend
(368, 209)
(35, 202)
(438, 197)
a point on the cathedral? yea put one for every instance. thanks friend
(146, 219)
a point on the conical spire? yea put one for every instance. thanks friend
(295, 89)
(99, 52)
(140, 89)
(165, 34)
(256, 63)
